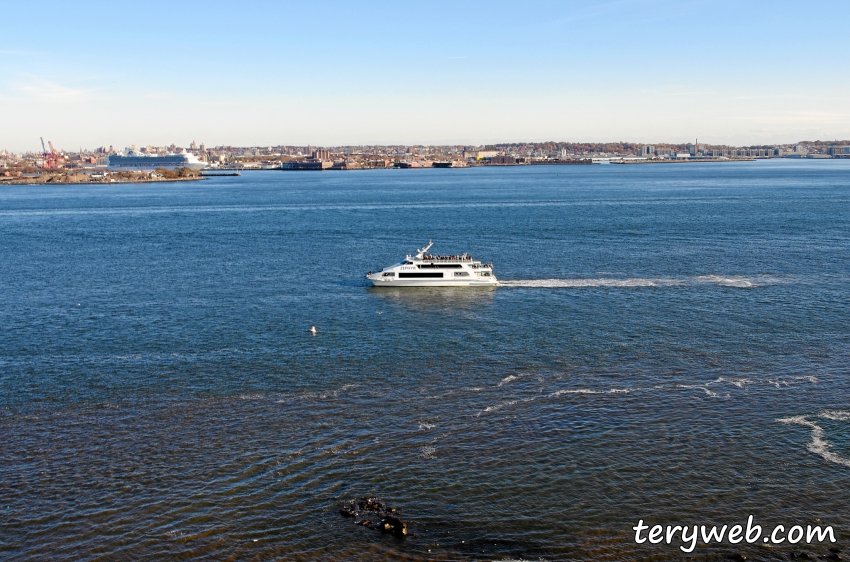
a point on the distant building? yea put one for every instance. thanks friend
(646, 150)
(799, 151)
(315, 165)
(498, 159)
(479, 154)
(838, 150)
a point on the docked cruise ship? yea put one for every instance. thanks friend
(137, 161)
(426, 270)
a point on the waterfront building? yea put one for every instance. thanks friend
(499, 159)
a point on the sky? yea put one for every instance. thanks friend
(87, 74)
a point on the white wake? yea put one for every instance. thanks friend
(819, 445)
(739, 281)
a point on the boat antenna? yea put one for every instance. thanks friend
(421, 251)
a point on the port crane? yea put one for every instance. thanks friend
(49, 159)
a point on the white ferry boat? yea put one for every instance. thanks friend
(135, 161)
(426, 270)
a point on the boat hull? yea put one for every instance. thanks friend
(434, 283)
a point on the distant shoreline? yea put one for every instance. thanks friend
(687, 160)
(74, 181)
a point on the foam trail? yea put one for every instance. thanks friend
(495, 407)
(600, 282)
(740, 383)
(733, 281)
(427, 452)
(837, 415)
(577, 391)
(508, 379)
(588, 391)
(819, 444)
(704, 388)
(738, 281)
(501, 405)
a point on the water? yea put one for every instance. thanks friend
(670, 344)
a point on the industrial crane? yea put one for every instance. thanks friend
(49, 158)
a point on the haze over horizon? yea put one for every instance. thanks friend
(334, 74)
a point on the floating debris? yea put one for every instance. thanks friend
(369, 509)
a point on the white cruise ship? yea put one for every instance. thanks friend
(136, 161)
(426, 270)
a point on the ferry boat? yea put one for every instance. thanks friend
(136, 161)
(426, 270)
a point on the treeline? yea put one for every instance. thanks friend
(825, 144)
(177, 173)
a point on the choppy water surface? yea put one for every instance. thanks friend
(670, 344)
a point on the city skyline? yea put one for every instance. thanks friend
(334, 75)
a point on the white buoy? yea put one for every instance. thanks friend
(313, 330)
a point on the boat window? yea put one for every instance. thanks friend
(484, 273)
(389, 274)
(461, 274)
(420, 274)
(440, 266)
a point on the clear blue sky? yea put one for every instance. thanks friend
(326, 73)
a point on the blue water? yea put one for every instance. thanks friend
(161, 395)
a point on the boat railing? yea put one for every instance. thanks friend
(462, 257)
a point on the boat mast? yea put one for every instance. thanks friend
(421, 251)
